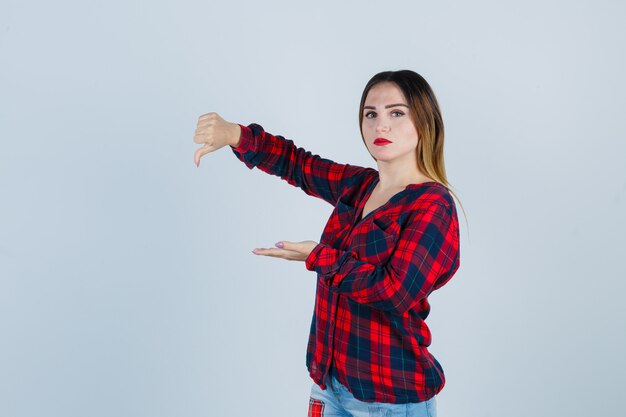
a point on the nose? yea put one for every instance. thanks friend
(382, 126)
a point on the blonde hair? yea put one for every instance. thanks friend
(426, 116)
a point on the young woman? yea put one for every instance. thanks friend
(391, 240)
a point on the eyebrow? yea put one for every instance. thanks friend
(387, 106)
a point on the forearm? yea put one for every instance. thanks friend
(422, 258)
(361, 281)
(276, 155)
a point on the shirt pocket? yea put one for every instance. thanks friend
(375, 239)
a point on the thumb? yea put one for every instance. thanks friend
(199, 152)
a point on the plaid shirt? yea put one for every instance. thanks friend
(374, 273)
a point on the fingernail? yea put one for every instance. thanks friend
(254, 251)
(279, 244)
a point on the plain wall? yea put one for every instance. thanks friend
(127, 282)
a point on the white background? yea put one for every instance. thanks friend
(127, 285)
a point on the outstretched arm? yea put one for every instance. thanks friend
(275, 155)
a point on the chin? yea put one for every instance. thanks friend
(384, 158)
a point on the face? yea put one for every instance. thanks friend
(386, 115)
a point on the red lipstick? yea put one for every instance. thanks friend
(381, 141)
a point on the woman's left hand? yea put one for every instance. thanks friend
(292, 251)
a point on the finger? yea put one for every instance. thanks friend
(203, 123)
(205, 116)
(199, 152)
(200, 137)
(268, 251)
(200, 127)
(285, 244)
(201, 134)
(276, 253)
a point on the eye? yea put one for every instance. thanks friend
(367, 115)
(399, 112)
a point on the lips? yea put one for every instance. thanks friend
(381, 141)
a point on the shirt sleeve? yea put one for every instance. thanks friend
(426, 256)
(275, 155)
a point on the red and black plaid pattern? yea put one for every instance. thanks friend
(374, 273)
(316, 408)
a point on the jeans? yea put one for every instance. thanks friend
(337, 401)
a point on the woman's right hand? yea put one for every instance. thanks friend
(214, 132)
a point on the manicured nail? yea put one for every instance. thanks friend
(254, 251)
(279, 244)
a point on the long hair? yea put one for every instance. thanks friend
(426, 116)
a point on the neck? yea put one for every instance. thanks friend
(394, 176)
